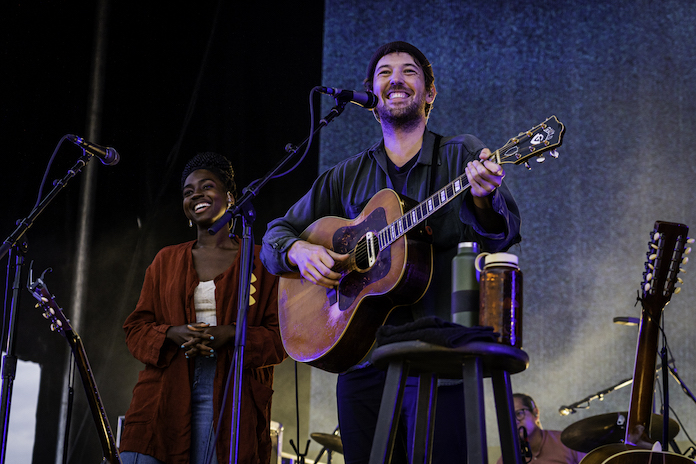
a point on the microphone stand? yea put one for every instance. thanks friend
(17, 251)
(566, 410)
(244, 209)
(571, 409)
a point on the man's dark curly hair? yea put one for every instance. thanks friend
(215, 163)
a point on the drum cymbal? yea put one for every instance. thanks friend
(604, 429)
(329, 441)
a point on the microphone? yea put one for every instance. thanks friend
(566, 410)
(107, 155)
(365, 99)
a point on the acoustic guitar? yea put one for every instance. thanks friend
(390, 264)
(667, 245)
(61, 324)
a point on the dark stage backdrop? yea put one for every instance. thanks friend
(620, 75)
(172, 88)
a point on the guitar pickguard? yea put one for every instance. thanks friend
(346, 239)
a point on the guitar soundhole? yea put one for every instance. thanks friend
(366, 252)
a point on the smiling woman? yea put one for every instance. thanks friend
(183, 330)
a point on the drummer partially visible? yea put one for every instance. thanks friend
(542, 446)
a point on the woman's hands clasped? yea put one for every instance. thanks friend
(201, 339)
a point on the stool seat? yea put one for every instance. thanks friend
(447, 362)
(472, 363)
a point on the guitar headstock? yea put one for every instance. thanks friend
(47, 302)
(547, 136)
(667, 247)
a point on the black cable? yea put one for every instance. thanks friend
(525, 450)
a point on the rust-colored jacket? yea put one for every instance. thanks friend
(158, 419)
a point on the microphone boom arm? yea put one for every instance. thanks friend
(585, 403)
(26, 223)
(566, 410)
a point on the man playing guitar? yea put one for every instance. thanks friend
(413, 162)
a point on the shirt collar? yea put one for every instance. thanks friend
(425, 156)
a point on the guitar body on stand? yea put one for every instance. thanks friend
(390, 265)
(667, 245)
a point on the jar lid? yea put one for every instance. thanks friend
(501, 259)
(472, 246)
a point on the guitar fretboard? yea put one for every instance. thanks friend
(415, 216)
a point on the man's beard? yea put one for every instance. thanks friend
(403, 118)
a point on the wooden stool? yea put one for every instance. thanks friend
(471, 363)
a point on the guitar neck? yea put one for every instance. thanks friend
(422, 211)
(61, 324)
(101, 420)
(640, 404)
(666, 247)
(544, 137)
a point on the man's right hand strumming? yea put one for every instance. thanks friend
(315, 263)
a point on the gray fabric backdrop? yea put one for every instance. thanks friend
(620, 76)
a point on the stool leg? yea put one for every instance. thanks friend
(474, 411)
(425, 420)
(389, 412)
(505, 411)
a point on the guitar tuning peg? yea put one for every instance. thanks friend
(652, 257)
(690, 240)
(677, 290)
(53, 327)
(526, 165)
(59, 323)
(646, 288)
(687, 251)
(653, 246)
(44, 299)
(685, 260)
(46, 315)
(682, 271)
(648, 277)
(553, 153)
(656, 236)
(651, 266)
(540, 159)
(680, 280)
